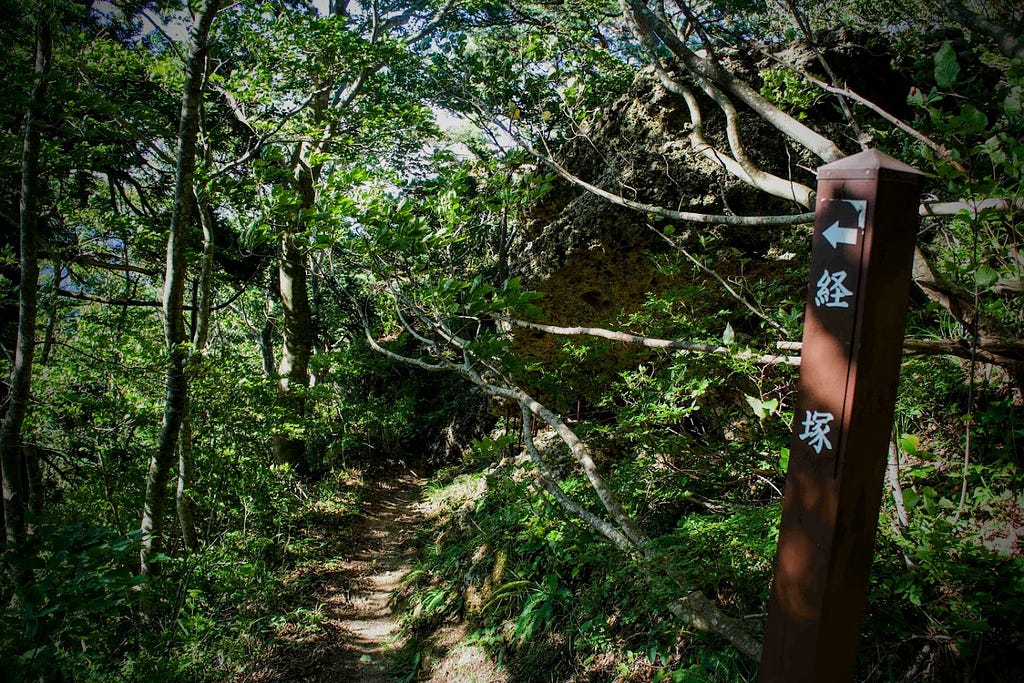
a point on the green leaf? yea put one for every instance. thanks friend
(947, 68)
(729, 336)
(986, 276)
(910, 498)
(784, 459)
(1013, 105)
(757, 405)
(910, 444)
(972, 119)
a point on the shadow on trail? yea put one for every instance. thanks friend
(351, 634)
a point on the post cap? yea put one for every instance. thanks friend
(869, 164)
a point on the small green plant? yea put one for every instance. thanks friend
(790, 92)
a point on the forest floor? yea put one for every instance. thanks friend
(355, 636)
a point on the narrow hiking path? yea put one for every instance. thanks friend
(356, 630)
(381, 554)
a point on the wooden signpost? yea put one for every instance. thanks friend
(865, 227)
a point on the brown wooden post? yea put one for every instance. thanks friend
(864, 232)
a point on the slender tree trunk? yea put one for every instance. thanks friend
(50, 335)
(200, 338)
(34, 482)
(21, 380)
(293, 372)
(176, 397)
(267, 348)
(183, 498)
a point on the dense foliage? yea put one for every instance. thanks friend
(385, 198)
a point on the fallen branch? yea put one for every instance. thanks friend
(974, 206)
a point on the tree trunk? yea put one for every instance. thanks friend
(176, 397)
(201, 306)
(50, 335)
(293, 372)
(182, 498)
(34, 480)
(267, 348)
(21, 380)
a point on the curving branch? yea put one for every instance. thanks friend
(647, 26)
(739, 164)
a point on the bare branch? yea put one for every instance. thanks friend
(654, 343)
(845, 92)
(800, 22)
(738, 164)
(408, 360)
(84, 296)
(94, 262)
(600, 525)
(432, 23)
(259, 143)
(140, 303)
(621, 529)
(974, 206)
(996, 352)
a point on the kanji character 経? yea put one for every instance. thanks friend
(832, 292)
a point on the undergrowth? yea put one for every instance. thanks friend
(91, 617)
(549, 600)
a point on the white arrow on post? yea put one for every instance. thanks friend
(836, 235)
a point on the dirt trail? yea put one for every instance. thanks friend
(357, 631)
(382, 554)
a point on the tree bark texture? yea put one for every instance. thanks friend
(21, 380)
(293, 371)
(201, 306)
(267, 348)
(176, 382)
(183, 498)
